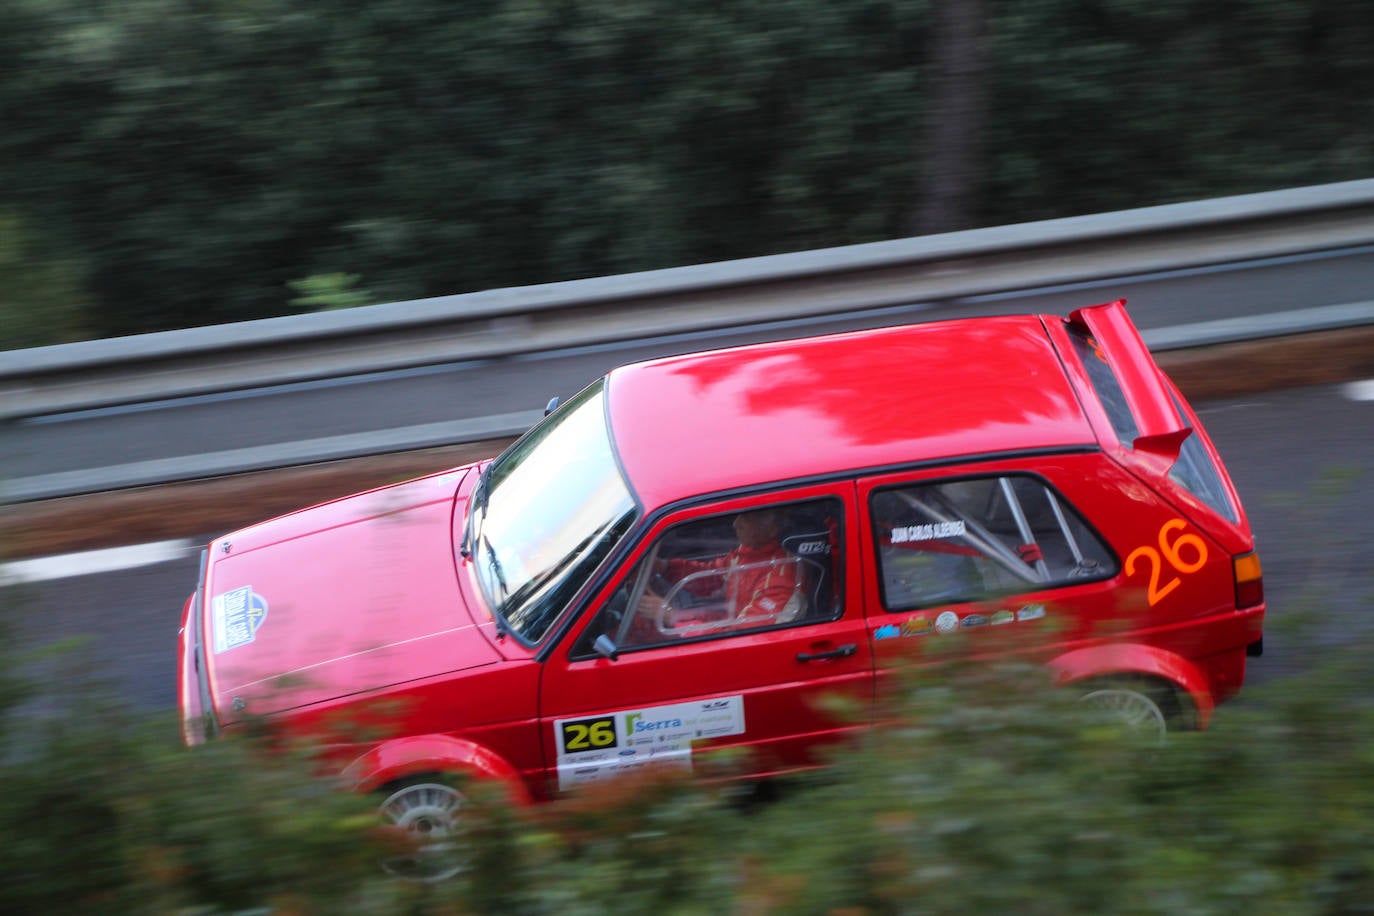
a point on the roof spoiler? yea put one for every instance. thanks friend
(1161, 431)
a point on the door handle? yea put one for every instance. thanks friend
(844, 651)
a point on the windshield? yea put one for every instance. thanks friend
(548, 511)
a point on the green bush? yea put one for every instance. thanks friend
(991, 791)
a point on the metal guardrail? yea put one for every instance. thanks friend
(528, 319)
(508, 425)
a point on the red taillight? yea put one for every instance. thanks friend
(1249, 580)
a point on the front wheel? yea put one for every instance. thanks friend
(429, 811)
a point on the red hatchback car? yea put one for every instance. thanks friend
(684, 556)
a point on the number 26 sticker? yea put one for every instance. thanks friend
(1184, 554)
(589, 734)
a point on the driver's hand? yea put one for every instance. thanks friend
(650, 604)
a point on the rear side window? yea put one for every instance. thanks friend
(1105, 383)
(1194, 470)
(1196, 473)
(965, 540)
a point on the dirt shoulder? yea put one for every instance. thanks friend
(197, 508)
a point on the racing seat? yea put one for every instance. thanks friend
(814, 551)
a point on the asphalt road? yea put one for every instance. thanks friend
(1302, 460)
(172, 430)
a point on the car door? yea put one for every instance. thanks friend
(708, 644)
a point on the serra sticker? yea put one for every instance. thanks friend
(1184, 555)
(593, 748)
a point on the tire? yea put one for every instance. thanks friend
(428, 809)
(1143, 708)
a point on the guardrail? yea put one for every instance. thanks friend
(830, 281)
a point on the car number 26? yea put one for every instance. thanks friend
(589, 734)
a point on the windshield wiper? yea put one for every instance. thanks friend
(477, 503)
(502, 628)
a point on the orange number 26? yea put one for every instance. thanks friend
(1169, 556)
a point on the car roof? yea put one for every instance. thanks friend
(726, 419)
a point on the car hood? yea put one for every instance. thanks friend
(344, 598)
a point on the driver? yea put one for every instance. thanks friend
(760, 578)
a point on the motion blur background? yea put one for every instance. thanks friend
(171, 163)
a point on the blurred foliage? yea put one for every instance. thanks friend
(40, 291)
(198, 155)
(322, 292)
(992, 792)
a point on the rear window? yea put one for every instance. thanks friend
(1106, 385)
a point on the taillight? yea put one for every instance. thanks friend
(1249, 580)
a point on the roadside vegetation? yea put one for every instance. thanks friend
(171, 163)
(998, 793)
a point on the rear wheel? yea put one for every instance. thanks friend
(430, 811)
(1143, 707)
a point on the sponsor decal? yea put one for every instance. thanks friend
(636, 724)
(237, 615)
(1002, 616)
(808, 548)
(927, 532)
(947, 622)
(592, 748)
(916, 626)
(1031, 612)
(912, 626)
(974, 620)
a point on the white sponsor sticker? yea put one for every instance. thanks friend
(597, 747)
(947, 622)
(927, 532)
(237, 615)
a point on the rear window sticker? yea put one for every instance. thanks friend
(237, 615)
(928, 532)
(593, 748)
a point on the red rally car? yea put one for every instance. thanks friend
(685, 555)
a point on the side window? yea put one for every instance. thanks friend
(743, 571)
(963, 540)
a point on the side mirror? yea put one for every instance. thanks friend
(551, 406)
(605, 647)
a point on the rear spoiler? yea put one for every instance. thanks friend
(1120, 345)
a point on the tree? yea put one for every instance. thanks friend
(951, 154)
